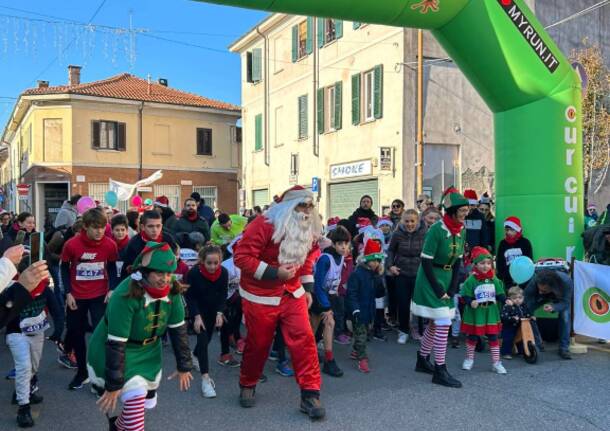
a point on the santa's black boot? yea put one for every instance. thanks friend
(423, 365)
(246, 397)
(442, 377)
(311, 405)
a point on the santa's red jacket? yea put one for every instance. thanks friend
(257, 251)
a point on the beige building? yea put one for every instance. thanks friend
(336, 101)
(72, 138)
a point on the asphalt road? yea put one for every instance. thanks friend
(554, 394)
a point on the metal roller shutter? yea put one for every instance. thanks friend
(260, 198)
(345, 197)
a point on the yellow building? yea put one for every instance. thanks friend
(69, 139)
(336, 101)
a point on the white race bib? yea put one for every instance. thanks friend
(90, 271)
(485, 293)
(511, 254)
(35, 325)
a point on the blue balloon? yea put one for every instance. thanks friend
(521, 269)
(111, 198)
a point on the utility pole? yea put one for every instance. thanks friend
(420, 111)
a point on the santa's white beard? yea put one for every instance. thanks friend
(298, 238)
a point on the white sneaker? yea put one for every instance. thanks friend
(208, 388)
(498, 368)
(467, 364)
(402, 338)
(195, 362)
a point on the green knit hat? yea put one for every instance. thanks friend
(156, 256)
(452, 198)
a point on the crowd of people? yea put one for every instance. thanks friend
(153, 277)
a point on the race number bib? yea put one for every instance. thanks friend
(35, 325)
(485, 293)
(511, 254)
(90, 271)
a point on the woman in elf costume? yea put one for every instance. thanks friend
(125, 349)
(437, 283)
(483, 294)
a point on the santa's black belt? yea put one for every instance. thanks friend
(443, 267)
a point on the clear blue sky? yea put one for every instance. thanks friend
(28, 46)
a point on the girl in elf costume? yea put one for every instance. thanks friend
(483, 295)
(436, 284)
(125, 349)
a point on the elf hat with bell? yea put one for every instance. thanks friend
(453, 199)
(514, 223)
(373, 251)
(479, 253)
(156, 256)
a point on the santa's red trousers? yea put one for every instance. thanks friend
(261, 323)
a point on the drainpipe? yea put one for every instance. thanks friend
(266, 94)
(316, 75)
(140, 138)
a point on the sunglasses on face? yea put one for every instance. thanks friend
(396, 206)
(420, 201)
(308, 206)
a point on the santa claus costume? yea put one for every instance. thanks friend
(276, 256)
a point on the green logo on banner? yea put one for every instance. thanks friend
(596, 304)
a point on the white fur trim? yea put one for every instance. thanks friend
(512, 225)
(299, 292)
(176, 325)
(134, 383)
(431, 312)
(473, 201)
(264, 300)
(427, 256)
(260, 271)
(115, 338)
(300, 195)
(306, 279)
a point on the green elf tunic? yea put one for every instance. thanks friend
(485, 319)
(139, 323)
(444, 249)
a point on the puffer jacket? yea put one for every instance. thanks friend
(405, 250)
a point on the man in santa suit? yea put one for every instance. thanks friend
(276, 256)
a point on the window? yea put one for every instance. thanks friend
(442, 168)
(52, 140)
(294, 165)
(209, 194)
(302, 39)
(278, 126)
(329, 108)
(204, 142)
(367, 95)
(303, 125)
(329, 30)
(172, 193)
(258, 132)
(98, 190)
(108, 135)
(254, 65)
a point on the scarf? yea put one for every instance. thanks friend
(39, 289)
(146, 238)
(481, 276)
(156, 292)
(210, 276)
(88, 241)
(191, 216)
(454, 227)
(514, 239)
(121, 244)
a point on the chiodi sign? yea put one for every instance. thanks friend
(571, 183)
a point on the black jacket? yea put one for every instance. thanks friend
(13, 299)
(405, 250)
(506, 254)
(361, 213)
(477, 230)
(205, 297)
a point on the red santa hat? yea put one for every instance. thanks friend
(384, 221)
(372, 250)
(363, 223)
(161, 201)
(296, 193)
(514, 223)
(332, 223)
(472, 197)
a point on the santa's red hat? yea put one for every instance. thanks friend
(514, 223)
(363, 223)
(161, 201)
(332, 223)
(372, 250)
(296, 193)
(472, 197)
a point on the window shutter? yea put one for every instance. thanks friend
(303, 126)
(357, 25)
(249, 66)
(295, 43)
(200, 141)
(258, 132)
(356, 99)
(338, 105)
(320, 110)
(309, 41)
(338, 28)
(207, 148)
(321, 30)
(378, 91)
(95, 134)
(256, 64)
(121, 141)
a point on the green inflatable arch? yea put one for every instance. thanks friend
(526, 81)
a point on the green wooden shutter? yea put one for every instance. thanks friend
(258, 132)
(257, 63)
(338, 28)
(356, 99)
(378, 91)
(357, 25)
(309, 41)
(321, 30)
(295, 43)
(338, 105)
(303, 126)
(320, 110)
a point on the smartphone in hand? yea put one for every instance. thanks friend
(36, 246)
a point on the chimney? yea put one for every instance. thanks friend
(163, 82)
(73, 75)
(43, 84)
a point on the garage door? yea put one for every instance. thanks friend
(260, 198)
(345, 197)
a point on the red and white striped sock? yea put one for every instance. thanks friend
(427, 341)
(440, 344)
(470, 347)
(132, 416)
(494, 348)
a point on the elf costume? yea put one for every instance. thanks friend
(125, 350)
(436, 284)
(488, 292)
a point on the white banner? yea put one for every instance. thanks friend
(124, 191)
(592, 300)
